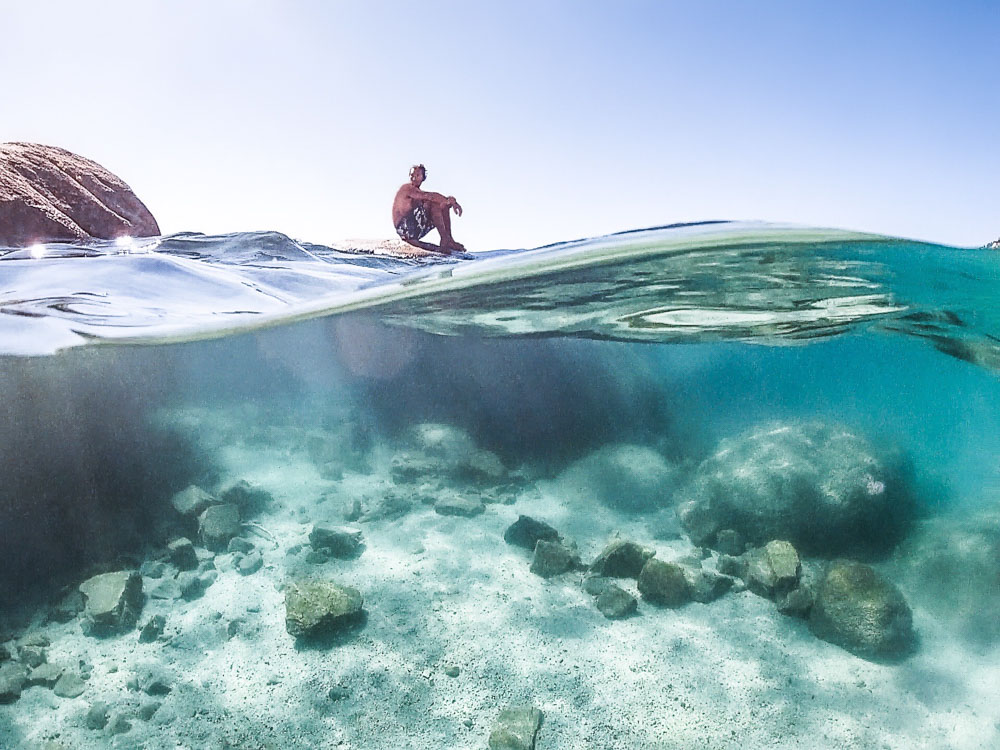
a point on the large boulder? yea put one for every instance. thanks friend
(630, 478)
(950, 565)
(823, 488)
(49, 194)
(858, 610)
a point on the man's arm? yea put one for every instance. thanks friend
(415, 193)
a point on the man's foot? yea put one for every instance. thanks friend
(454, 247)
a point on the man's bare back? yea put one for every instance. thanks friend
(416, 212)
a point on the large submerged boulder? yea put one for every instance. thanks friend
(821, 487)
(49, 194)
(627, 477)
(950, 565)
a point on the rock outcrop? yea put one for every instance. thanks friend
(49, 194)
(822, 487)
(995, 245)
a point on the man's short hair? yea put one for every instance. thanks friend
(421, 167)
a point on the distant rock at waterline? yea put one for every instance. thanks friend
(858, 610)
(315, 607)
(49, 194)
(516, 729)
(113, 602)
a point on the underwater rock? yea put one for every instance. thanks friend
(336, 541)
(182, 554)
(12, 679)
(797, 602)
(49, 194)
(516, 729)
(45, 674)
(168, 588)
(773, 570)
(31, 655)
(114, 601)
(148, 708)
(730, 542)
(526, 531)
(315, 607)
(192, 501)
(249, 498)
(119, 724)
(442, 440)
(595, 585)
(706, 585)
(192, 585)
(732, 566)
(153, 629)
(153, 569)
(250, 564)
(822, 487)
(154, 679)
(858, 610)
(950, 564)
(97, 716)
(621, 559)
(69, 685)
(68, 607)
(664, 583)
(459, 505)
(553, 558)
(614, 602)
(241, 545)
(631, 478)
(217, 524)
(481, 465)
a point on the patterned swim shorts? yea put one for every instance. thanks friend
(415, 224)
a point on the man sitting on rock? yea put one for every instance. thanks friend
(416, 212)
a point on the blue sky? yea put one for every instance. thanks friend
(547, 120)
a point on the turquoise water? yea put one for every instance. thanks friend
(834, 390)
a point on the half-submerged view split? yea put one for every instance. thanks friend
(719, 485)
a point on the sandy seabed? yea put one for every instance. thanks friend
(443, 592)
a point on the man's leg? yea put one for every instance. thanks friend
(441, 216)
(424, 245)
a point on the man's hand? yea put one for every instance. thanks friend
(452, 203)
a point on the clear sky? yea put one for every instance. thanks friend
(547, 119)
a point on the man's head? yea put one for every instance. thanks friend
(418, 173)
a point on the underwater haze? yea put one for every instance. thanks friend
(725, 485)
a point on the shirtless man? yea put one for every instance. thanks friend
(415, 212)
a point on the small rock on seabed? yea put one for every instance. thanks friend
(516, 729)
